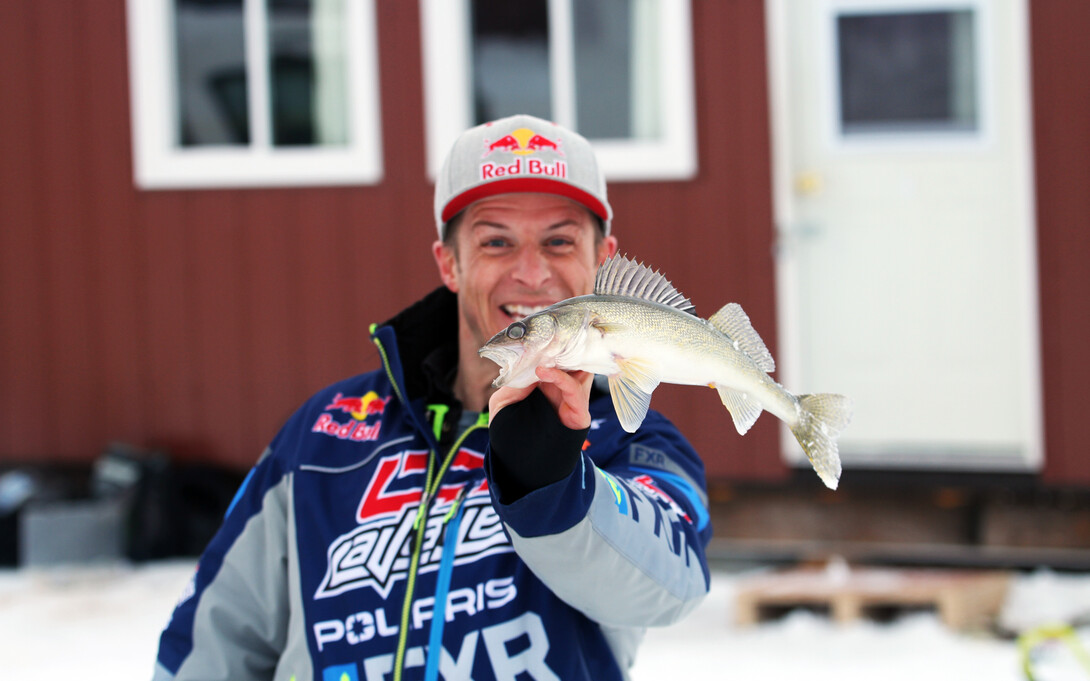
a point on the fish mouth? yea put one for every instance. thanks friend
(506, 357)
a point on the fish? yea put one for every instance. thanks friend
(639, 331)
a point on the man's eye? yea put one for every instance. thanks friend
(558, 242)
(494, 243)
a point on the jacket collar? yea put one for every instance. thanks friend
(426, 338)
(427, 345)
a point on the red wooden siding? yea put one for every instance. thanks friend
(198, 320)
(1061, 72)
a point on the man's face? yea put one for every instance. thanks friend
(517, 253)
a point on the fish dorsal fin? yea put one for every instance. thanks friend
(733, 321)
(620, 276)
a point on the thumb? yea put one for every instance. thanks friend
(505, 396)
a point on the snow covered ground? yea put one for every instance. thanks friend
(98, 623)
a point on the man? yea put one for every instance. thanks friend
(390, 531)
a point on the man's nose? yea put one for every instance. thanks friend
(532, 268)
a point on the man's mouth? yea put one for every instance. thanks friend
(516, 311)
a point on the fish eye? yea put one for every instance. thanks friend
(516, 331)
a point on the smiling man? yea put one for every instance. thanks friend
(415, 523)
(508, 256)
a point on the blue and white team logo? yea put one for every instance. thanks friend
(376, 554)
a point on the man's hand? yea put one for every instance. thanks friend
(569, 393)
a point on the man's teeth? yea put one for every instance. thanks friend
(523, 310)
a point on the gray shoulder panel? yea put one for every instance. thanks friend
(636, 574)
(241, 625)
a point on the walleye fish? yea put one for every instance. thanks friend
(639, 331)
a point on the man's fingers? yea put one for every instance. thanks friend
(569, 394)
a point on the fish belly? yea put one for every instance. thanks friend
(679, 348)
(705, 357)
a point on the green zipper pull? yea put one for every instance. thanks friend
(421, 510)
(440, 412)
(456, 503)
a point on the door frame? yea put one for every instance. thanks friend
(785, 215)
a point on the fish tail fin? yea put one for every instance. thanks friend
(821, 419)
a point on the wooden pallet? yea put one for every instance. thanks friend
(963, 600)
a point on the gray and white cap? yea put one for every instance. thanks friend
(519, 154)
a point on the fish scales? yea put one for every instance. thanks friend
(639, 331)
(685, 349)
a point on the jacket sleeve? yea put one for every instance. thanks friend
(622, 540)
(232, 619)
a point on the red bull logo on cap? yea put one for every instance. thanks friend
(523, 142)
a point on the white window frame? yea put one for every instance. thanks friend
(981, 137)
(160, 163)
(445, 29)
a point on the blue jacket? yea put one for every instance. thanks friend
(325, 568)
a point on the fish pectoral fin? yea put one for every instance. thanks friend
(639, 372)
(743, 408)
(629, 402)
(631, 390)
(604, 327)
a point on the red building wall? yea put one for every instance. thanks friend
(1061, 73)
(198, 320)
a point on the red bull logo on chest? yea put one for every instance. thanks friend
(523, 143)
(359, 407)
(358, 428)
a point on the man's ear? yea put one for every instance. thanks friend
(447, 262)
(607, 248)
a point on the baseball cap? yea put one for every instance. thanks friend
(519, 153)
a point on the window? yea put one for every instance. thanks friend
(617, 71)
(911, 72)
(234, 93)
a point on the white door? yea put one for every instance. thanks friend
(905, 217)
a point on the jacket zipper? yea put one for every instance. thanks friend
(420, 525)
(431, 487)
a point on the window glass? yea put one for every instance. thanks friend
(907, 71)
(305, 65)
(603, 33)
(211, 73)
(510, 59)
(512, 72)
(253, 93)
(307, 72)
(617, 71)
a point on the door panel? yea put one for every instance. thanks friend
(905, 216)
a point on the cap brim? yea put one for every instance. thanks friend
(537, 185)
